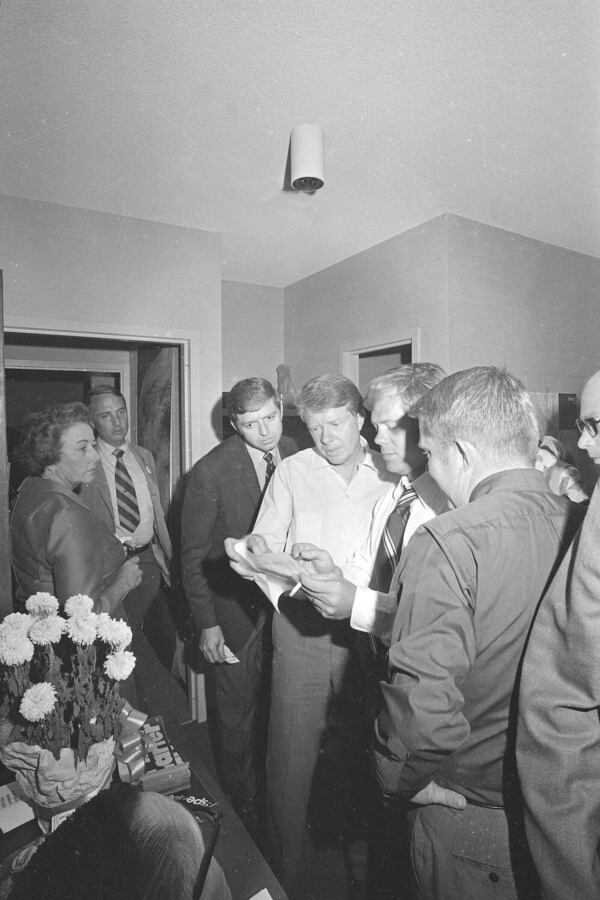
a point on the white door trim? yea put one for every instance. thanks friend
(349, 356)
(189, 342)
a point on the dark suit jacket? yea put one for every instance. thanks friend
(96, 495)
(558, 731)
(222, 497)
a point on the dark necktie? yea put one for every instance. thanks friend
(386, 560)
(390, 545)
(127, 505)
(268, 458)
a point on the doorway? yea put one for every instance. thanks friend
(362, 364)
(43, 369)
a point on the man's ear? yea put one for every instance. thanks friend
(233, 425)
(361, 420)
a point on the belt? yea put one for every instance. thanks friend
(482, 805)
(136, 551)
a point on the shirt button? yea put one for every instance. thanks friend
(493, 877)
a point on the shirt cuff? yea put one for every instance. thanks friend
(374, 613)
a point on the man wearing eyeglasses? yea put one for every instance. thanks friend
(558, 730)
(589, 439)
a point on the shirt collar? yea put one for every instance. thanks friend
(526, 479)
(105, 449)
(259, 455)
(367, 459)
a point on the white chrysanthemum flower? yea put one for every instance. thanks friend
(79, 605)
(42, 604)
(115, 632)
(47, 630)
(82, 629)
(38, 701)
(119, 665)
(15, 646)
(18, 622)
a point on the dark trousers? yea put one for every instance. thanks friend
(136, 605)
(237, 687)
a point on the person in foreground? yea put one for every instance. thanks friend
(57, 544)
(123, 844)
(468, 588)
(558, 734)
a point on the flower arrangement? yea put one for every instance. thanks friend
(59, 675)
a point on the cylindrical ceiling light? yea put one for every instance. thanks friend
(306, 158)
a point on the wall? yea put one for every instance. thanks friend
(379, 296)
(84, 272)
(252, 317)
(479, 295)
(523, 304)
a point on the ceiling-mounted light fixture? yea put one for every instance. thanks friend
(306, 152)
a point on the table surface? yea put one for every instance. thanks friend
(245, 868)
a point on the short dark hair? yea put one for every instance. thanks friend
(41, 435)
(410, 381)
(329, 392)
(99, 390)
(486, 406)
(249, 394)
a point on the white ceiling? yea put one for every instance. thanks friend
(180, 111)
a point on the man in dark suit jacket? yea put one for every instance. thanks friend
(222, 496)
(148, 538)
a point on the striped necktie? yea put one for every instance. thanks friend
(390, 545)
(268, 458)
(127, 505)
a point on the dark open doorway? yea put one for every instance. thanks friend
(45, 369)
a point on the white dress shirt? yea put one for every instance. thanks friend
(374, 611)
(143, 533)
(307, 500)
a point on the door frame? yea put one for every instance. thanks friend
(188, 341)
(349, 357)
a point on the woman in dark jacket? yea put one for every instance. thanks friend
(57, 544)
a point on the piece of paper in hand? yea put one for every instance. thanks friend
(274, 573)
(283, 565)
(230, 656)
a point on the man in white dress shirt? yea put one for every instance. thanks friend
(324, 494)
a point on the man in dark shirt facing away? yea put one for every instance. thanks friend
(469, 586)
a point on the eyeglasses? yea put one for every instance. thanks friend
(203, 815)
(589, 425)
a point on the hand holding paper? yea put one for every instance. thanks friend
(275, 573)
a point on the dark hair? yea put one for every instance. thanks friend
(248, 395)
(101, 389)
(123, 844)
(486, 406)
(410, 381)
(41, 435)
(330, 392)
